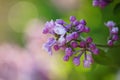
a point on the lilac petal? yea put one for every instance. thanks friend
(72, 18)
(110, 24)
(47, 46)
(86, 63)
(60, 21)
(66, 58)
(89, 58)
(114, 30)
(59, 29)
(76, 61)
(49, 26)
(68, 51)
(61, 41)
(82, 21)
(110, 42)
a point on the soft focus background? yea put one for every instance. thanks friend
(21, 53)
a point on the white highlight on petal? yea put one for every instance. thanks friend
(59, 29)
(61, 41)
(115, 30)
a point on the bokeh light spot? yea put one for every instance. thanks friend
(21, 13)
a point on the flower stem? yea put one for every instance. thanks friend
(101, 45)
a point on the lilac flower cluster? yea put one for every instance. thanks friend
(68, 38)
(101, 3)
(113, 32)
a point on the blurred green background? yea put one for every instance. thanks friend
(16, 14)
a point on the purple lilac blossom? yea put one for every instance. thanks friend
(49, 44)
(113, 30)
(66, 58)
(68, 51)
(76, 61)
(101, 3)
(49, 26)
(86, 63)
(59, 29)
(68, 37)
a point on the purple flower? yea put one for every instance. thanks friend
(82, 21)
(76, 61)
(92, 46)
(86, 63)
(68, 51)
(61, 41)
(56, 47)
(103, 4)
(110, 24)
(87, 29)
(110, 42)
(75, 35)
(80, 27)
(69, 37)
(72, 18)
(115, 37)
(89, 58)
(95, 51)
(89, 40)
(59, 29)
(95, 3)
(68, 26)
(60, 21)
(74, 44)
(76, 22)
(47, 46)
(66, 58)
(114, 30)
(49, 26)
(82, 44)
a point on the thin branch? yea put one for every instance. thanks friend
(101, 45)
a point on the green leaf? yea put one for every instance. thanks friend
(102, 58)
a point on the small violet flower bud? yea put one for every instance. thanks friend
(110, 42)
(45, 30)
(80, 27)
(86, 63)
(114, 30)
(68, 26)
(74, 44)
(89, 40)
(82, 21)
(69, 37)
(95, 3)
(66, 58)
(75, 35)
(72, 18)
(115, 37)
(87, 29)
(103, 3)
(89, 58)
(95, 51)
(56, 47)
(76, 61)
(76, 22)
(110, 24)
(82, 44)
(68, 51)
(92, 46)
(60, 21)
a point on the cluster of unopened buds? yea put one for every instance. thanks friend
(113, 31)
(101, 3)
